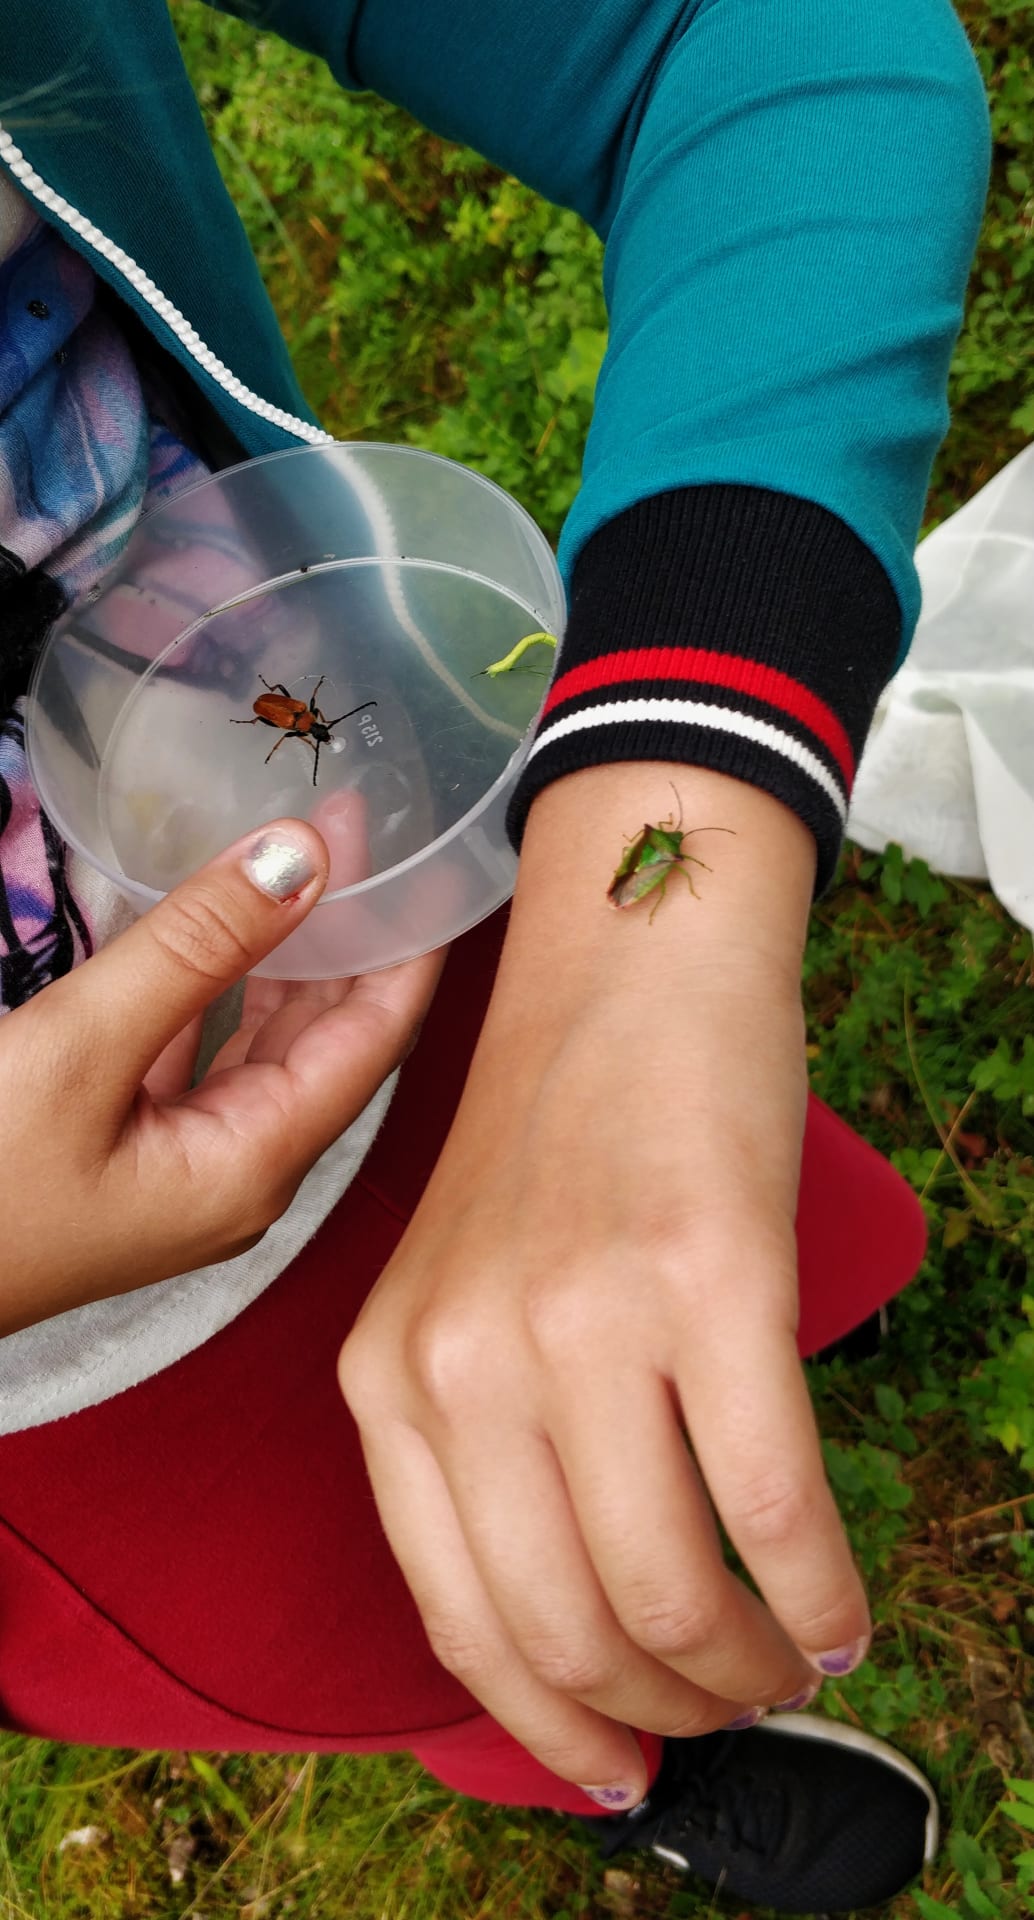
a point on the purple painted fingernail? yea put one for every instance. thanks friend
(617, 1799)
(843, 1659)
(797, 1700)
(745, 1720)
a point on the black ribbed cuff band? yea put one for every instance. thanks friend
(726, 627)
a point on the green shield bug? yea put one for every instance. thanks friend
(649, 861)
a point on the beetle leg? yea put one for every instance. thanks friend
(259, 720)
(313, 708)
(287, 735)
(277, 687)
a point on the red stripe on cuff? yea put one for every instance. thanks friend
(729, 670)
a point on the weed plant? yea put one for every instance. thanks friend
(427, 298)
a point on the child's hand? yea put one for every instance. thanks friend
(107, 1183)
(604, 1261)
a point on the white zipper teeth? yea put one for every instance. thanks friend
(373, 501)
(141, 282)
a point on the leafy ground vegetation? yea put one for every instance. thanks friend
(429, 299)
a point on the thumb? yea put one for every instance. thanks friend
(134, 997)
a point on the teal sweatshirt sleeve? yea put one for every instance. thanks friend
(790, 193)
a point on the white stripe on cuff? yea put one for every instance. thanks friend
(695, 713)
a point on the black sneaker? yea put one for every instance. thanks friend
(800, 1814)
(863, 1342)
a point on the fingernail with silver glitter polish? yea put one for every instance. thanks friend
(616, 1799)
(278, 865)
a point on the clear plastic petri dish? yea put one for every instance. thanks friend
(362, 590)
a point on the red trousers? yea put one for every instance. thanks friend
(199, 1562)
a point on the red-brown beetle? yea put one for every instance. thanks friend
(278, 707)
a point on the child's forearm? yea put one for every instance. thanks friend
(566, 940)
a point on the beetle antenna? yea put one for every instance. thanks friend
(361, 708)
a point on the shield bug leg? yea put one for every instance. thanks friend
(686, 860)
(660, 890)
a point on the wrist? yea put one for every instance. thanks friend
(745, 630)
(753, 895)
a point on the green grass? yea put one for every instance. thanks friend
(428, 299)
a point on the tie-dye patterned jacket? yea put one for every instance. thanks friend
(81, 453)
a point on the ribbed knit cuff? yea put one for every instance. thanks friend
(726, 627)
